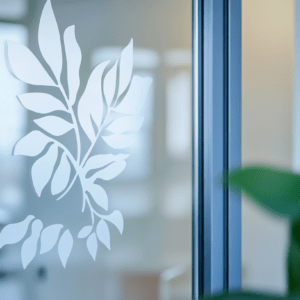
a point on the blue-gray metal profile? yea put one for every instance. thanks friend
(216, 145)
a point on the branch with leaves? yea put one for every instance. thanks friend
(125, 96)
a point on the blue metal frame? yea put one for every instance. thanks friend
(216, 145)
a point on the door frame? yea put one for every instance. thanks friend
(216, 212)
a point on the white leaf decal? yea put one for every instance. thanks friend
(92, 245)
(116, 218)
(49, 237)
(126, 64)
(42, 169)
(84, 232)
(125, 124)
(25, 65)
(103, 233)
(49, 40)
(111, 171)
(110, 81)
(31, 144)
(54, 125)
(65, 246)
(91, 102)
(73, 55)
(14, 233)
(101, 160)
(41, 103)
(119, 141)
(61, 176)
(29, 246)
(135, 98)
(98, 194)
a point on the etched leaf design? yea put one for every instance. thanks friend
(101, 160)
(111, 171)
(29, 246)
(98, 194)
(116, 218)
(103, 234)
(126, 63)
(25, 66)
(49, 40)
(31, 144)
(119, 141)
(92, 245)
(84, 232)
(110, 81)
(65, 246)
(54, 125)
(14, 233)
(91, 102)
(42, 169)
(41, 103)
(135, 98)
(125, 124)
(73, 55)
(49, 237)
(61, 176)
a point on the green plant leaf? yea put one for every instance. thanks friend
(276, 189)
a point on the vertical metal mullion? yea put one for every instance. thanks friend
(197, 175)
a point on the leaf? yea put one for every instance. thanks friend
(92, 245)
(61, 176)
(42, 169)
(126, 63)
(103, 233)
(29, 246)
(73, 55)
(98, 194)
(14, 233)
(111, 171)
(65, 246)
(84, 232)
(135, 98)
(54, 125)
(110, 82)
(101, 160)
(25, 65)
(277, 190)
(125, 124)
(31, 144)
(41, 103)
(119, 141)
(49, 40)
(116, 218)
(91, 102)
(49, 237)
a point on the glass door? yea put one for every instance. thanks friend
(95, 150)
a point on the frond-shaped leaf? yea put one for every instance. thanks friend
(91, 102)
(126, 63)
(111, 171)
(41, 103)
(42, 169)
(110, 82)
(61, 176)
(119, 141)
(73, 55)
(65, 246)
(25, 66)
(121, 125)
(92, 245)
(31, 144)
(116, 218)
(98, 194)
(49, 237)
(103, 234)
(29, 247)
(54, 125)
(134, 100)
(14, 233)
(85, 231)
(49, 40)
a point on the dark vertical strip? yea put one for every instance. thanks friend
(197, 149)
(225, 137)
